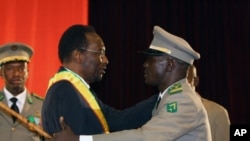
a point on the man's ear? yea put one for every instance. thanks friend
(77, 56)
(196, 81)
(171, 64)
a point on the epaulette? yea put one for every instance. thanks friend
(37, 96)
(174, 89)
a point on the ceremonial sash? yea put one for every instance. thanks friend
(84, 91)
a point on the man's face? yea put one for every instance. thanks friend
(155, 69)
(95, 61)
(15, 75)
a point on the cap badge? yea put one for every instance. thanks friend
(14, 47)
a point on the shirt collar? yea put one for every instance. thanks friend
(21, 97)
(86, 84)
(164, 92)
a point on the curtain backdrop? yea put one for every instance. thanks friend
(40, 24)
(218, 29)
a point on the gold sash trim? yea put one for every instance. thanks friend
(84, 91)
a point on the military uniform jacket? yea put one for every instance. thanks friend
(62, 99)
(10, 131)
(180, 116)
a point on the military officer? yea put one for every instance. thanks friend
(217, 114)
(179, 115)
(14, 59)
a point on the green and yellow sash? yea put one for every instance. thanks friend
(84, 91)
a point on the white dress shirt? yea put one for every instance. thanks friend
(20, 98)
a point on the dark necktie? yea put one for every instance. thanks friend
(14, 107)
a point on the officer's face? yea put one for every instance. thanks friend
(15, 75)
(155, 70)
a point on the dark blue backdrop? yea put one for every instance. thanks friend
(218, 29)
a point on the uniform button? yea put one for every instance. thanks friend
(13, 129)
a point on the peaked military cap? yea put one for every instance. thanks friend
(167, 43)
(15, 52)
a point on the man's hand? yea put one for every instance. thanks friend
(66, 134)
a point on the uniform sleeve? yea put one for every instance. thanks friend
(132, 117)
(176, 117)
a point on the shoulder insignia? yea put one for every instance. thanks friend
(37, 96)
(176, 88)
(171, 107)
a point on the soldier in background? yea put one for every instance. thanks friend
(14, 59)
(217, 114)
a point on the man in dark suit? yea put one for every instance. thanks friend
(82, 54)
(14, 59)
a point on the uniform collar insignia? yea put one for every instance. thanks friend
(30, 100)
(175, 88)
(1, 96)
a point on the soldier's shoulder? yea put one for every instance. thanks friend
(36, 96)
